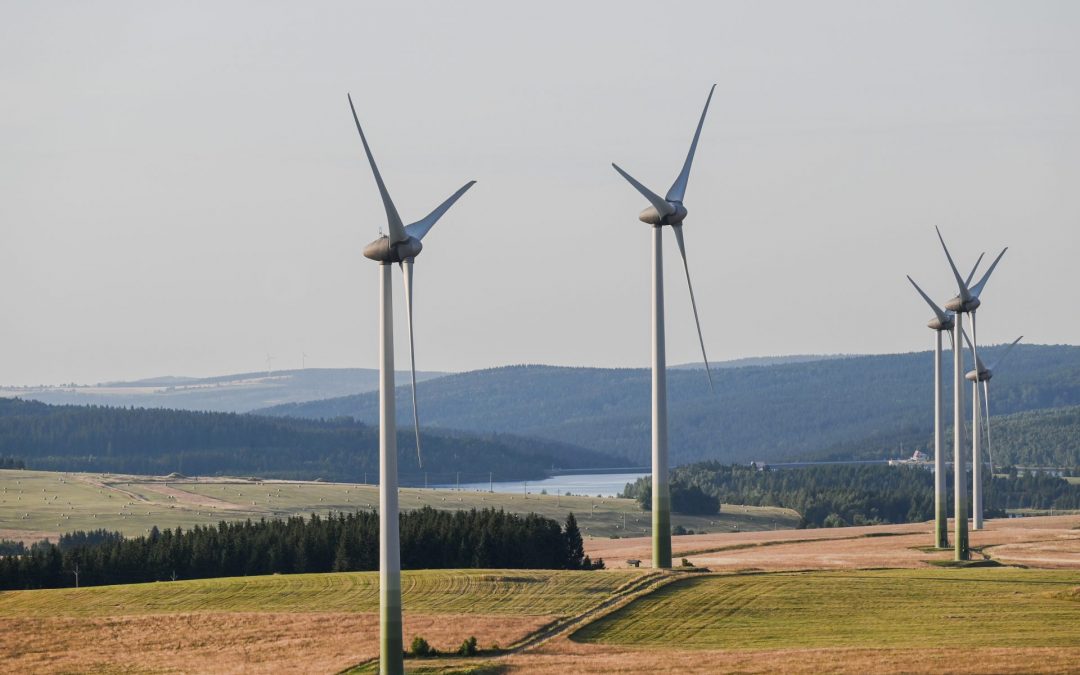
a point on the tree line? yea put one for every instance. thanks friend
(158, 441)
(342, 542)
(854, 494)
(12, 463)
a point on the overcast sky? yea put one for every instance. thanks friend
(182, 189)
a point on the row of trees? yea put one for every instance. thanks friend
(12, 463)
(430, 539)
(847, 494)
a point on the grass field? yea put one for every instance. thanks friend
(36, 504)
(987, 607)
(294, 623)
(519, 592)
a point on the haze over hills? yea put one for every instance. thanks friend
(857, 406)
(244, 392)
(241, 392)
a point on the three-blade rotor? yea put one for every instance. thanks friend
(669, 210)
(401, 245)
(982, 374)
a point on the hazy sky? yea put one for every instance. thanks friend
(182, 189)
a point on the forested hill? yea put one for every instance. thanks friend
(855, 406)
(142, 441)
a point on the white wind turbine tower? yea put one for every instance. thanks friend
(269, 364)
(943, 322)
(666, 210)
(981, 374)
(401, 246)
(966, 301)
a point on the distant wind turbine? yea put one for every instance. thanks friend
(943, 322)
(666, 210)
(966, 302)
(982, 374)
(400, 246)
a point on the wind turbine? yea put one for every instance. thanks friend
(981, 374)
(666, 210)
(943, 322)
(966, 301)
(401, 246)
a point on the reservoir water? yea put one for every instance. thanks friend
(603, 484)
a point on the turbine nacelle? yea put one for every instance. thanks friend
(960, 305)
(982, 375)
(381, 250)
(942, 324)
(651, 216)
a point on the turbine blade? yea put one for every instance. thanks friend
(964, 293)
(658, 202)
(421, 227)
(967, 282)
(693, 303)
(678, 188)
(939, 312)
(978, 363)
(1006, 353)
(407, 273)
(393, 220)
(978, 288)
(989, 443)
(975, 347)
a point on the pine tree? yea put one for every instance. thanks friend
(575, 547)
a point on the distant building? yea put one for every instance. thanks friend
(918, 458)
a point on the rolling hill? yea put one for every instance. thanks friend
(857, 406)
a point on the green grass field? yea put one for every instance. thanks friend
(518, 592)
(51, 503)
(1001, 607)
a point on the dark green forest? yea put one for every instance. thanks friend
(430, 539)
(154, 441)
(867, 494)
(855, 407)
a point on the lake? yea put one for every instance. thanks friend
(603, 484)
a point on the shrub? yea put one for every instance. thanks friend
(468, 647)
(420, 647)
